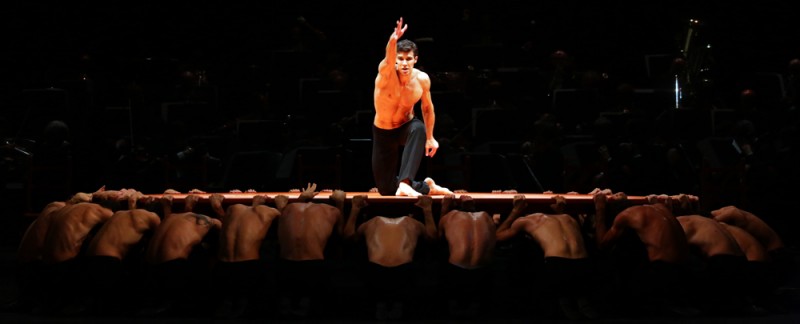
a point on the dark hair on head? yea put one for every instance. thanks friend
(407, 46)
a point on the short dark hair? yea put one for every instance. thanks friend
(407, 46)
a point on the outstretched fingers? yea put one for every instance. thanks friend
(400, 29)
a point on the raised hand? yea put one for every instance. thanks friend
(308, 193)
(400, 29)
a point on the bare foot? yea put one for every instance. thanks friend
(374, 190)
(436, 189)
(405, 190)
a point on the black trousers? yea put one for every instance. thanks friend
(386, 147)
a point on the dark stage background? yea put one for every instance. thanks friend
(270, 95)
(529, 95)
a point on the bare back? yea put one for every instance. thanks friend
(709, 236)
(391, 241)
(658, 230)
(177, 235)
(32, 242)
(69, 228)
(123, 230)
(558, 235)
(471, 238)
(751, 223)
(304, 230)
(243, 230)
(751, 247)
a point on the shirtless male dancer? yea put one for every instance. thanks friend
(759, 278)
(783, 260)
(718, 282)
(30, 264)
(304, 230)
(391, 243)
(398, 87)
(567, 267)
(665, 273)
(769, 273)
(239, 272)
(63, 250)
(470, 237)
(172, 274)
(108, 270)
